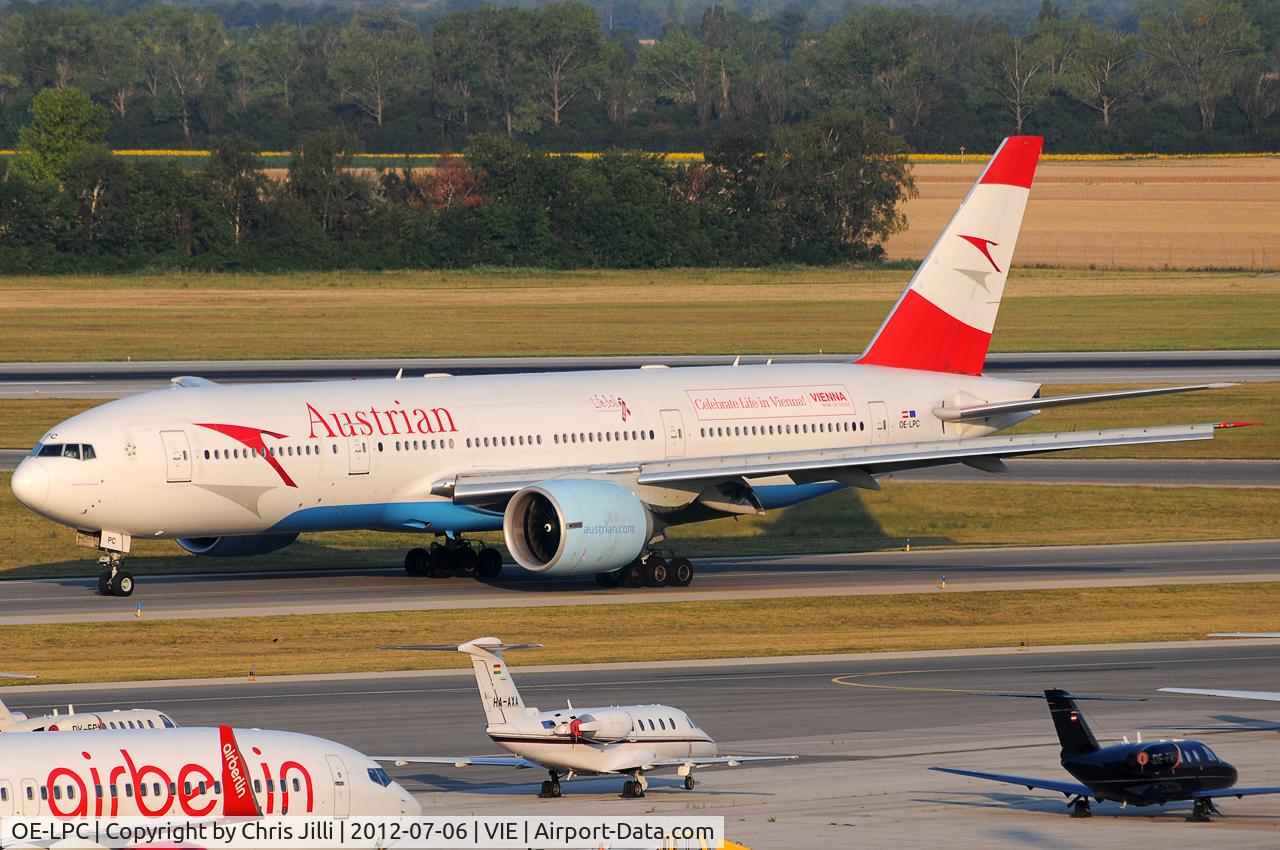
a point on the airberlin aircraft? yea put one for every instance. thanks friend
(196, 773)
(581, 471)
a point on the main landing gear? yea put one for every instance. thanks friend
(551, 787)
(1200, 811)
(634, 788)
(1080, 808)
(650, 570)
(113, 581)
(454, 557)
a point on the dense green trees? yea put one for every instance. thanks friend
(824, 190)
(1165, 74)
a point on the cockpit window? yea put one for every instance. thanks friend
(168, 722)
(75, 451)
(379, 776)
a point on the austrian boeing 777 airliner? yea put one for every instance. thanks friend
(581, 471)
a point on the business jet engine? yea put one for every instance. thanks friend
(237, 545)
(598, 726)
(569, 526)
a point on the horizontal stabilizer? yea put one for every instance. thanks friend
(1245, 634)
(1265, 696)
(983, 411)
(188, 381)
(495, 646)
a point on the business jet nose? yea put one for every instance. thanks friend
(31, 484)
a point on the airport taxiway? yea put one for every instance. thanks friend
(113, 379)
(867, 727)
(63, 600)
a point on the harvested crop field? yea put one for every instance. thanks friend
(1166, 213)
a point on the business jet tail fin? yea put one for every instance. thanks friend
(498, 694)
(944, 319)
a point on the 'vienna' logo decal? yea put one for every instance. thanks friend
(252, 439)
(983, 245)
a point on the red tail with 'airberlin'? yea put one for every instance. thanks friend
(944, 319)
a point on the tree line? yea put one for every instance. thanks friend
(823, 190)
(1170, 75)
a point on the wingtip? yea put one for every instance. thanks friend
(1236, 424)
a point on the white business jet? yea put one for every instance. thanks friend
(581, 471)
(195, 773)
(628, 740)
(121, 718)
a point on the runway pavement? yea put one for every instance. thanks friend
(115, 379)
(918, 571)
(867, 727)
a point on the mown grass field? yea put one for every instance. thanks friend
(1173, 213)
(140, 649)
(512, 312)
(995, 514)
(24, 420)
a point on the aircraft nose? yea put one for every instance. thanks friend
(31, 484)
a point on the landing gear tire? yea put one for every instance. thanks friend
(415, 562)
(680, 573)
(631, 790)
(1080, 808)
(1200, 810)
(463, 560)
(632, 576)
(654, 571)
(612, 579)
(123, 584)
(688, 783)
(488, 563)
(438, 562)
(104, 583)
(550, 787)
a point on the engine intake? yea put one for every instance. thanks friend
(236, 546)
(571, 525)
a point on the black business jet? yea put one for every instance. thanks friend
(1140, 774)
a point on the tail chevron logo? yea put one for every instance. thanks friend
(983, 245)
(251, 438)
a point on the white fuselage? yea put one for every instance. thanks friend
(118, 719)
(204, 461)
(650, 733)
(180, 773)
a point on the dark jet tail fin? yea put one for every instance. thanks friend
(1073, 732)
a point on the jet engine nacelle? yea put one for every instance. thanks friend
(236, 546)
(598, 726)
(573, 525)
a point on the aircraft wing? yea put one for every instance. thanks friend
(826, 464)
(728, 761)
(1236, 792)
(459, 761)
(983, 411)
(1067, 788)
(1268, 696)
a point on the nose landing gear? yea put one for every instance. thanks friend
(113, 581)
(551, 787)
(634, 789)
